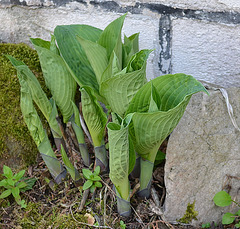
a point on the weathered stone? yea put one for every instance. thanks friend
(203, 157)
(206, 50)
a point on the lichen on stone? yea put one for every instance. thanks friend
(16, 145)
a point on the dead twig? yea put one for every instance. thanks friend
(87, 223)
(84, 199)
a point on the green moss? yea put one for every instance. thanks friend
(33, 217)
(190, 214)
(16, 143)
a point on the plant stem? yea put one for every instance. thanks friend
(236, 203)
(146, 172)
(101, 157)
(123, 198)
(84, 154)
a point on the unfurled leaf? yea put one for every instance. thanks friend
(87, 184)
(57, 76)
(6, 193)
(7, 172)
(150, 129)
(120, 89)
(97, 56)
(228, 218)
(222, 199)
(119, 156)
(94, 115)
(110, 38)
(30, 85)
(130, 47)
(73, 54)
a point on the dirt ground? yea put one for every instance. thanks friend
(62, 206)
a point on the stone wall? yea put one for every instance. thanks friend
(200, 38)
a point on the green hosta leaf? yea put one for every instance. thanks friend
(222, 199)
(69, 166)
(87, 173)
(15, 192)
(30, 85)
(19, 175)
(94, 115)
(150, 129)
(87, 184)
(5, 194)
(7, 172)
(130, 47)
(119, 156)
(238, 212)
(73, 54)
(228, 218)
(57, 77)
(110, 38)
(97, 56)
(120, 89)
(153, 105)
(138, 60)
(112, 68)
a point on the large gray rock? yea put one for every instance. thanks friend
(203, 157)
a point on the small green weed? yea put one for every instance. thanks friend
(223, 199)
(14, 184)
(122, 225)
(93, 179)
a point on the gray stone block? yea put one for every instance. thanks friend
(203, 156)
(21, 23)
(207, 51)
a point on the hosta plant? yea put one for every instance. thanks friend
(158, 107)
(121, 160)
(110, 70)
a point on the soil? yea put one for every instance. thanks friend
(52, 206)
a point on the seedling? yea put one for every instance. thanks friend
(223, 199)
(14, 184)
(92, 178)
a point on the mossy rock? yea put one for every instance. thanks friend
(17, 148)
